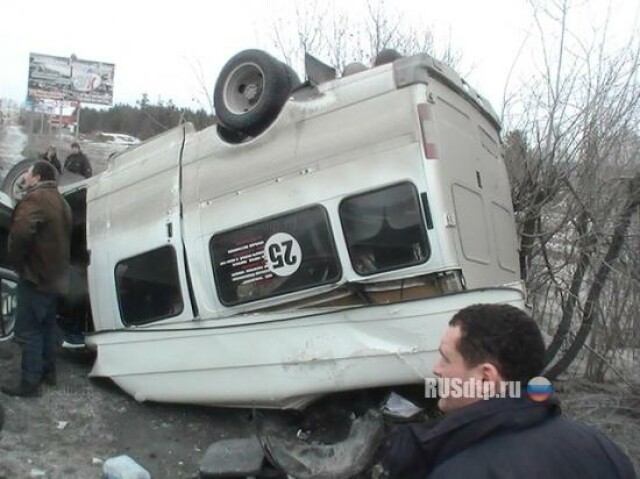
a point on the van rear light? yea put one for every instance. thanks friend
(425, 119)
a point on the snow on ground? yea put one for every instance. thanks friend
(13, 140)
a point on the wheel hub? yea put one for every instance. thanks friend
(243, 88)
(251, 92)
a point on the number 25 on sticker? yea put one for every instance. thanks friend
(282, 254)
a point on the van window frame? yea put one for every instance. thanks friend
(421, 223)
(176, 268)
(280, 216)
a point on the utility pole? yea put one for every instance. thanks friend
(72, 59)
(78, 121)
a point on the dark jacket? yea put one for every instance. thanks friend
(54, 161)
(505, 438)
(39, 244)
(78, 163)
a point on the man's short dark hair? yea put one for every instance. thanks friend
(502, 335)
(75, 144)
(45, 170)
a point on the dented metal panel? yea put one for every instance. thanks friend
(284, 360)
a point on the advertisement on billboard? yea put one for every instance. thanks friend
(55, 107)
(70, 79)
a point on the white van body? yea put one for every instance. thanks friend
(326, 254)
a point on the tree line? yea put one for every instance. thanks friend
(143, 120)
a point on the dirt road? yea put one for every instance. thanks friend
(60, 433)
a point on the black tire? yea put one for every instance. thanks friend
(231, 136)
(250, 92)
(388, 55)
(293, 77)
(12, 183)
(8, 301)
(353, 68)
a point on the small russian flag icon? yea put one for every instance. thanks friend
(539, 389)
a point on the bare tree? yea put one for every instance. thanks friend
(327, 30)
(573, 165)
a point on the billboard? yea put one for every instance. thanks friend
(70, 79)
(55, 107)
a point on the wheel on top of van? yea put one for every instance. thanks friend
(251, 90)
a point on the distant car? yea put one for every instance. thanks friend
(118, 138)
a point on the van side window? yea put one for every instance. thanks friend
(148, 286)
(280, 255)
(384, 229)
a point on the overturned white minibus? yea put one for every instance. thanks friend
(318, 239)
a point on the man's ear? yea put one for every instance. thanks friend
(489, 372)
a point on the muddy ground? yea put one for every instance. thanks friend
(74, 426)
(68, 431)
(80, 422)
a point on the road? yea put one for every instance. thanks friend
(13, 140)
(16, 145)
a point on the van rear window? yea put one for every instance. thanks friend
(384, 229)
(280, 255)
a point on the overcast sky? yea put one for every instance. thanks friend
(160, 47)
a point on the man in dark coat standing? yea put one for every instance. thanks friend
(52, 157)
(39, 246)
(77, 162)
(494, 429)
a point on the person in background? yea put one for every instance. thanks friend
(52, 157)
(495, 437)
(39, 247)
(77, 162)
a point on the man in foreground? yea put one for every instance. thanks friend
(488, 345)
(39, 248)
